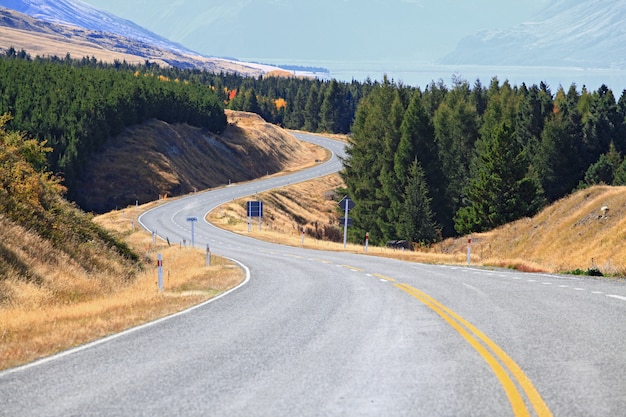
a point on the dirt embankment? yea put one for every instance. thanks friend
(156, 159)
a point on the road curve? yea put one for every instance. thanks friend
(315, 333)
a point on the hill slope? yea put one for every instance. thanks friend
(44, 38)
(80, 14)
(570, 234)
(155, 159)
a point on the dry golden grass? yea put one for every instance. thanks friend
(62, 306)
(41, 321)
(156, 158)
(568, 235)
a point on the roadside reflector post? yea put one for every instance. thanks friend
(160, 271)
(367, 240)
(208, 255)
(303, 236)
(192, 220)
(346, 205)
(469, 250)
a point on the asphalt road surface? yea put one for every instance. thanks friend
(315, 333)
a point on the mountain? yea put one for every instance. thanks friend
(574, 33)
(46, 28)
(80, 14)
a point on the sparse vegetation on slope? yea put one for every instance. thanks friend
(67, 287)
(156, 158)
(572, 235)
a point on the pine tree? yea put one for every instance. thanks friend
(416, 222)
(418, 141)
(294, 117)
(365, 161)
(559, 160)
(391, 190)
(312, 110)
(456, 131)
(332, 109)
(500, 190)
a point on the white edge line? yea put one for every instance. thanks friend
(145, 325)
(619, 297)
(106, 339)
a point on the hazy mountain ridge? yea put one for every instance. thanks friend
(567, 33)
(77, 13)
(46, 38)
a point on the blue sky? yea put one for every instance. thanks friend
(322, 30)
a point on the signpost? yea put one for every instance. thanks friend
(255, 209)
(193, 220)
(346, 204)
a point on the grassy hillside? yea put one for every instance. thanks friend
(572, 234)
(157, 159)
(67, 278)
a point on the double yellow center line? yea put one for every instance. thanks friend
(505, 368)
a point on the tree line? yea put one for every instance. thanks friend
(444, 161)
(76, 105)
(300, 103)
(422, 163)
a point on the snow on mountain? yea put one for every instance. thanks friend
(575, 33)
(78, 13)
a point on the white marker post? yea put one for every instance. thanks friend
(193, 220)
(367, 240)
(160, 271)
(469, 250)
(303, 237)
(346, 204)
(345, 225)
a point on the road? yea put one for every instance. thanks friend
(315, 333)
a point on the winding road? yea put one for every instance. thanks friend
(315, 333)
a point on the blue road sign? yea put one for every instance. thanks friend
(255, 209)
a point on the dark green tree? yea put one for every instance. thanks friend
(294, 117)
(500, 190)
(312, 109)
(415, 222)
(604, 170)
(559, 161)
(417, 141)
(364, 162)
(332, 108)
(456, 124)
(390, 193)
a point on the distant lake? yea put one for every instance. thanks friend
(421, 74)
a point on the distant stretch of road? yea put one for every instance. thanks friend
(316, 333)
